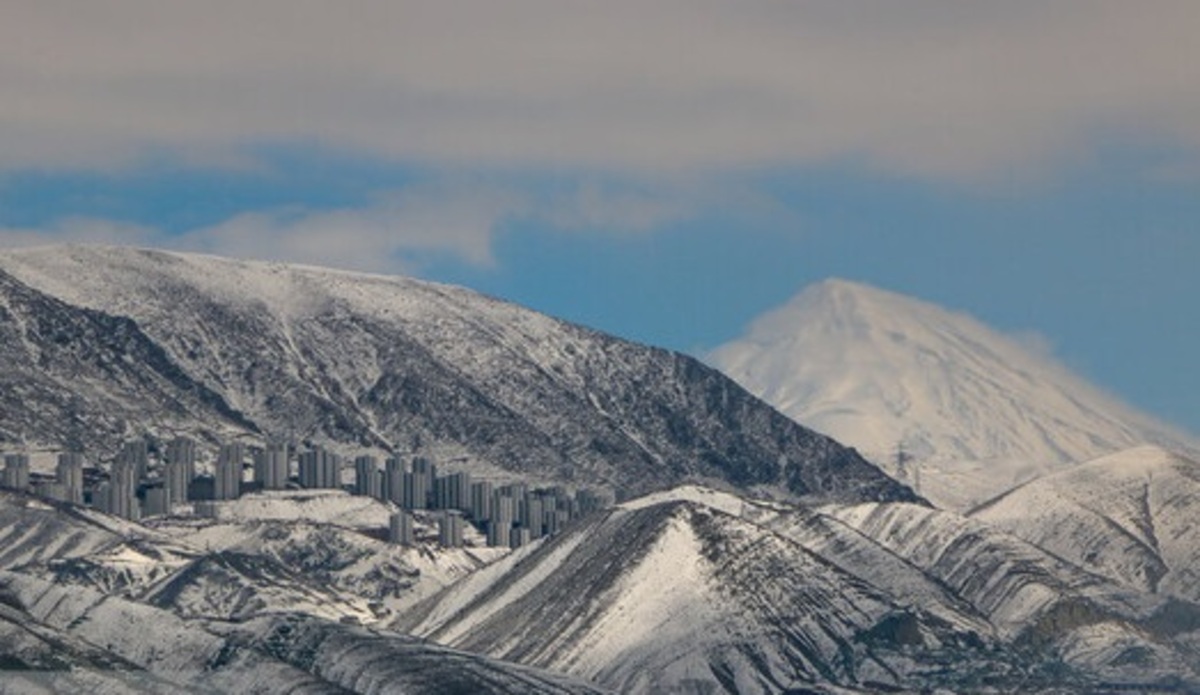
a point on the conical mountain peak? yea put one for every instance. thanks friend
(928, 393)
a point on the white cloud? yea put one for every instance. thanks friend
(383, 236)
(83, 230)
(933, 88)
(397, 230)
(446, 219)
(1035, 342)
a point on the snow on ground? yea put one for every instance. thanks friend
(340, 534)
(664, 600)
(319, 506)
(725, 501)
(1006, 579)
(497, 578)
(1133, 516)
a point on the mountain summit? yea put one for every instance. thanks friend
(933, 396)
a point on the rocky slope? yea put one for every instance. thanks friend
(82, 378)
(268, 554)
(685, 590)
(678, 595)
(372, 362)
(1101, 636)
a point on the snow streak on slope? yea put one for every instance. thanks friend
(385, 363)
(973, 410)
(1133, 516)
(1006, 579)
(39, 532)
(38, 659)
(363, 660)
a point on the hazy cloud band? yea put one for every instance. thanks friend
(935, 88)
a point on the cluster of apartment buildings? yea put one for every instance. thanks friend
(511, 515)
(67, 485)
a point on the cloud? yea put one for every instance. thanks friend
(1035, 342)
(458, 221)
(401, 229)
(83, 230)
(385, 236)
(931, 88)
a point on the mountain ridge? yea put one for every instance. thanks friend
(1127, 516)
(698, 590)
(399, 365)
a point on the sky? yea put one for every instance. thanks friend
(665, 171)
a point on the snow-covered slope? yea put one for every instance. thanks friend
(690, 589)
(1088, 632)
(77, 377)
(973, 411)
(1007, 580)
(261, 557)
(243, 604)
(146, 649)
(1133, 516)
(121, 554)
(386, 363)
(697, 590)
(373, 580)
(679, 595)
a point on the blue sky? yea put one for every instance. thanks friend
(665, 172)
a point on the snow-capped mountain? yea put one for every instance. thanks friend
(1133, 517)
(213, 346)
(932, 396)
(1082, 581)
